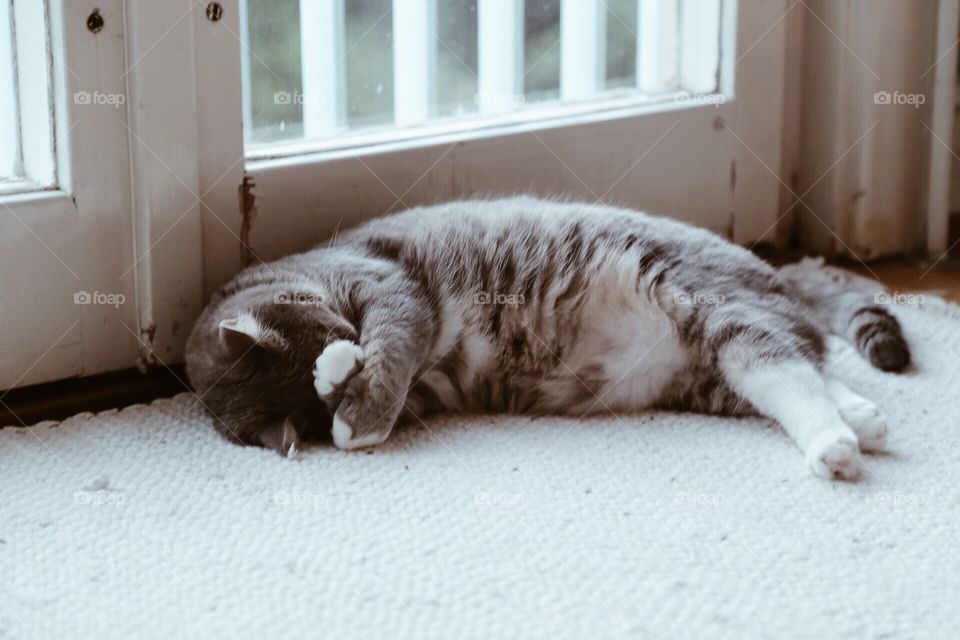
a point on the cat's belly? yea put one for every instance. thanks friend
(630, 354)
(620, 352)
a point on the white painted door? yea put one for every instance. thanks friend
(66, 259)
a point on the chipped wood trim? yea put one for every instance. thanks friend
(248, 211)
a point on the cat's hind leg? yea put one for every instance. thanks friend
(777, 370)
(861, 414)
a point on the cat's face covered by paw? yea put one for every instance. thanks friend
(257, 375)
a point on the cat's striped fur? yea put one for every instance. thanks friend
(525, 305)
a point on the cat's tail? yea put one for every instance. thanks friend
(878, 336)
(852, 308)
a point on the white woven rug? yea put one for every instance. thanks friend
(143, 523)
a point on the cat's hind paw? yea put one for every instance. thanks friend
(834, 456)
(861, 415)
(339, 360)
(867, 422)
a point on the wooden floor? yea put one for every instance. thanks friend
(943, 279)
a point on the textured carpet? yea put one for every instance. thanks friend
(143, 523)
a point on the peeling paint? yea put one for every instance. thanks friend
(248, 211)
(147, 358)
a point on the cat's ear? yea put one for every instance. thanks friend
(244, 331)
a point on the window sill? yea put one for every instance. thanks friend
(446, 132)
(23, 187)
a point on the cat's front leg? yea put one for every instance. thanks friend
(362, 403)
(362, 406)
(371, 404)
(340, 360)
(394, 339)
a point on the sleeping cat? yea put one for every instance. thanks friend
(530, 306)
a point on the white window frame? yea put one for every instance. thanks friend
(73, 237)
(688, 159)
(26, 43)
(712, 161)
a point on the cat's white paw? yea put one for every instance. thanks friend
(834, 456)
(339, 360)
(866, 421)
(344, 439)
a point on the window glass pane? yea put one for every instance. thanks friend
(457, 71)
(369, 44)
(26, 108)
(272, 67)
(541, 50)
(621, 58)
(9, 133)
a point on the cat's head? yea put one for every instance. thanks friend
(253, 370)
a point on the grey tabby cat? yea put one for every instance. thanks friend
(530, 306)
